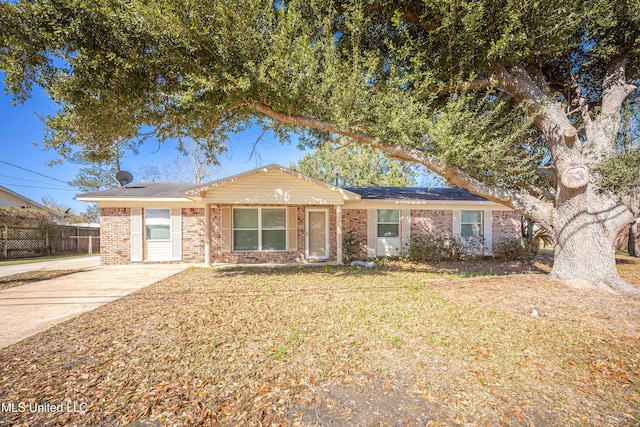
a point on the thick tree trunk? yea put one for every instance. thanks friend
(586, 228)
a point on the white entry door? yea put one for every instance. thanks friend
(317, 233)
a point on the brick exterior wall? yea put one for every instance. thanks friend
(217, 256)
(193, 235)
(437, 223)
(115, 242)
(354, 222)
(115, 236)
(506, 225)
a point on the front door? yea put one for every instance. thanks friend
(317, 234)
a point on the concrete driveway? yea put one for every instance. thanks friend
(78, 263)
(29, 309)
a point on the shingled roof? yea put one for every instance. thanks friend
(415, 193)
(142, 190)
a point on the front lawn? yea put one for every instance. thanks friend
(401, 345)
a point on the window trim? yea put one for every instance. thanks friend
(259, 229)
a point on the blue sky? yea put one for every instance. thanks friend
(21, 133)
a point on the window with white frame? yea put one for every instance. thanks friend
(259, 229)
(471, 223)
(157, 224)
(388, 223)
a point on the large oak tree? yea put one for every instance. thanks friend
(518, 101)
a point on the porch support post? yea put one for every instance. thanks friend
(339, 234)
(207, 234)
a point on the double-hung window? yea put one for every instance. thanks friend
(259, 229)
(388, 223)
(158, 224)
(471, 223)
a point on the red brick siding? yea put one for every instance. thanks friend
(193, 235)
(354, 222)
(505, 225)
(438, 223)
(115, 236)
(333, 242)
(115, 223)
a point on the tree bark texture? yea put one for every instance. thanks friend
(586, 228)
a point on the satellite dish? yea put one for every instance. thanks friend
(124, 178)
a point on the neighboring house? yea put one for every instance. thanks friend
(272, 214)
(12, 199)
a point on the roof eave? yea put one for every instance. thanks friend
(134, 199)
(429, 202)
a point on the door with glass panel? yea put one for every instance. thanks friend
(471, 227)
(388, 240)
(317, 234)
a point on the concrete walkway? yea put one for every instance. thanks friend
(29, 309)
(79, 263)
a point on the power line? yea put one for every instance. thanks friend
(23, 179)
(42, 188)
(37, 173)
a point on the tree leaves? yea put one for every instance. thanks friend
(354, 166)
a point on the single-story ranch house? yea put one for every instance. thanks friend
(275, 215)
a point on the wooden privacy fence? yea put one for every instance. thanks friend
(25, 240)
(75, 239)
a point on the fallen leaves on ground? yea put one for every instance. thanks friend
(338, 346)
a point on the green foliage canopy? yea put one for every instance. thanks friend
(355, 166)
(413, 77)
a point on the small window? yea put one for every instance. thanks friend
(388, 223)
(158, 224)
(259, 229)
(471, 223)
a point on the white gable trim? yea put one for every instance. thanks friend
(199, 192)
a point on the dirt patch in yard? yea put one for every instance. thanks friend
(400, 345)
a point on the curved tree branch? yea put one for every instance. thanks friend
(518, 200)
